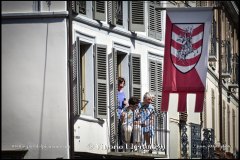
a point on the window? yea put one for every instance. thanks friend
(118, 66)
(101, 80)
(233, 126)
(213, 48)
(155, 66)
(213, 109)
(99, 12)
(204, 112)
(228, 125)
(227, 55)
(155, 20)
(136, 16)
(86, 78)
(223, 123)
(74, 79)
(115, 12)
(84, 8)
(135, 75)
(235, 65)
(79, 7)
(155, 85)
(83, 78)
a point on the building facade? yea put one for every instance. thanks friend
(66, 57)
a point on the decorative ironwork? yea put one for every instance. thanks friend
(208, 144)
(184, 140)
(195, 141)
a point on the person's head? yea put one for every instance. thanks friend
(148, 98)
(121, 83)
(133, 102)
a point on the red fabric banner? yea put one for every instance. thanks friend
(186, 55)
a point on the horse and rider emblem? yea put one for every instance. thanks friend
(186, 45)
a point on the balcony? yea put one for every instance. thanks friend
(226, 75)
(212, 58)
(129, 139)
(230, 86)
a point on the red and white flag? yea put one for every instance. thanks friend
(186, 55)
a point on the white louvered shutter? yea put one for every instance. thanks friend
(101, 80)
(99, 10)
(111, 6)
(155, 80)
(135, 75)
(155, 20)
(74, 66)
(73, 3)
(151, 20)
(136, 16)
(158, 22)
(112, 97)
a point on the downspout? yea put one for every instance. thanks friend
(220, 73)
(70, 114)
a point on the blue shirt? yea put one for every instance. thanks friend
(121, 97)
(146, 112)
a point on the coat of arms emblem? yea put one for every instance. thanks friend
(186, 46)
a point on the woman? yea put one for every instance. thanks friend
(147, 116)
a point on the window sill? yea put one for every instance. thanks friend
(91, 119)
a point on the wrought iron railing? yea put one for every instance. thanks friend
(134, 139)
(208, 144)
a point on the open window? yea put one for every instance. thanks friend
(83, 8)
(82, 78)
(117, 67)
(115, 12)
(86, 80)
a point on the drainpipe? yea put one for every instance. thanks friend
(220, 72)
(70, 109)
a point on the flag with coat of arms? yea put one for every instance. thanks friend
(186, 55)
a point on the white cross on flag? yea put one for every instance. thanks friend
(186, 55)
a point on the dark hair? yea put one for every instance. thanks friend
(120, 80)
(133, 101)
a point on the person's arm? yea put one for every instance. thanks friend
(122, 117)
(152, 116)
